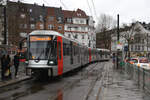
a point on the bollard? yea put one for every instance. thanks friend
(138, 76)
(143, 78)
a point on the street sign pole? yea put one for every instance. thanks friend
(118, 41)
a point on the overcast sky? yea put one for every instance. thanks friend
(129, 10)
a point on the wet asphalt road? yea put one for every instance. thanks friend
(95, 82)
(77, 83)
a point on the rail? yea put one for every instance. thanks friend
(140, 75)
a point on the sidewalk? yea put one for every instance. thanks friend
(119, 86)
(21, 76)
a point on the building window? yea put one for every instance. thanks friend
(135, 47)
(69, 36)
(30, 10)
(82, 36)
(41, 26)
(23, 26)
(83, 29)
(69, 20)
(51, 18)
(142, 40)
(50, 26)
(76, 36)
(77, 21)
(22, 15)
(69, 28)
(139, 47)
(131, 47)
(59, 19)
(31, 19)
(59, 27)
(142, 48)
(81, 21)
(32, 26)
(41, 18)
(78, 14)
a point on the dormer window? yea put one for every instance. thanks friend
(78, 14)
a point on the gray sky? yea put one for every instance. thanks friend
(129, 10)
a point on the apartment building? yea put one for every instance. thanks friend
(80, 27)
(139, 39)
(23, 18)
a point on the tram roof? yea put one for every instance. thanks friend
(45, 32)
(48, 32)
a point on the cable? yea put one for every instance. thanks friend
(94, 9)
(63, 4)
(46, 2)
(89, 7)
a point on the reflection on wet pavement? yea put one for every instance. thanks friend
(59, 95)
(119, 86)
(76, 86)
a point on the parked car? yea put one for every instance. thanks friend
(142, 62)
(132, 60)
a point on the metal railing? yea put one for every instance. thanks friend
(140, 75)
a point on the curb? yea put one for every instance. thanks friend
(14, 81)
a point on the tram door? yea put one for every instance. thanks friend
(71, 52)
(60, 55)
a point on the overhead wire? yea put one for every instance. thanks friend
(63, 4)
(89, 7)
(94, 9)
(46, 2)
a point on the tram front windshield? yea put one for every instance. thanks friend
(42, 48)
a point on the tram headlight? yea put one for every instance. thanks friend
(51, 62)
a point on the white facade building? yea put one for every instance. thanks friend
(140, 40)
(80, 27)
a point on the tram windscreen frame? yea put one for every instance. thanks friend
(42, 47)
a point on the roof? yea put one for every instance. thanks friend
(79, 14)
(68, 14)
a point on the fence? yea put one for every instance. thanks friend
(140, 75)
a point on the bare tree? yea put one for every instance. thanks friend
(105, 22)
(103, 30)
(128, 34)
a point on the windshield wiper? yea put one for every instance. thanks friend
(40, 54)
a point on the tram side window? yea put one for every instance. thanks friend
(64, 49)
(67, 49)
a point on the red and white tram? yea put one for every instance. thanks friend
(52, 54)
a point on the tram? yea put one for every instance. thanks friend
(49, 53)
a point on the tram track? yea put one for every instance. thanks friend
(84, 76)
(55, 97)
(97, 85)
(64, 84)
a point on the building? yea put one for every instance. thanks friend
(80, 27)
(136, 37)
(23, 18)
(1, 24)
(103, 39)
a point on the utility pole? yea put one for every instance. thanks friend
(5, 25)
(147, 46)
(117, 40)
